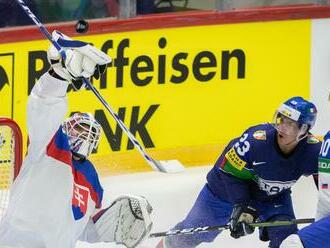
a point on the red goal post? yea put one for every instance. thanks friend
(10, 158)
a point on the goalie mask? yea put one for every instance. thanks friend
(83, 132)
(295, 117)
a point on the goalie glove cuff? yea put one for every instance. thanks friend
(55, 75)
(82, 59)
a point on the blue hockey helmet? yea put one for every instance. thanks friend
(300, 110)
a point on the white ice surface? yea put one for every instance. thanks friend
(172, 196)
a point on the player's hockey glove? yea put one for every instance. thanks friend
(127, 221)
(82, 60)
(241, 216)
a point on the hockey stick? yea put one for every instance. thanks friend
(169, 166)
(203, 229)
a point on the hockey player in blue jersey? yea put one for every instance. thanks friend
(252, 178)
(317, 235)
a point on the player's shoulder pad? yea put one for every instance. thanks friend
(259, 132)
(311, 139)
(237, 155)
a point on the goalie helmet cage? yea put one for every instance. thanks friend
(10, 158)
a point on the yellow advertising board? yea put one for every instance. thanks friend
(184, 92)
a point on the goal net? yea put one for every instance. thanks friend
(10, 158)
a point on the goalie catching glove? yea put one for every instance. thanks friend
(127, 221)
(82, 60)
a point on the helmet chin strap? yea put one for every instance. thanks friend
(301, 136)
(304, 129)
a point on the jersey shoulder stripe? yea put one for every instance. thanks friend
(59, 149)
(236, 159)
(243, 173)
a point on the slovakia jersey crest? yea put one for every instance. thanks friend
(79, 201)
(86, 188)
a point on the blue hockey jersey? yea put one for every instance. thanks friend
(252, 167)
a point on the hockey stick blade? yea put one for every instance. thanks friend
(169, 166)
(202, 229)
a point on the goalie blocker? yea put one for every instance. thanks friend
(126, 221)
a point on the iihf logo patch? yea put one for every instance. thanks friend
(79, 201)
(260, 135)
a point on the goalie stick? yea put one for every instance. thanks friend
(202, 229)
(168, 166)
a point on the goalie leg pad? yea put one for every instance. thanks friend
(127, 221)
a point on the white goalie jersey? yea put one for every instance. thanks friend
(53, 198)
